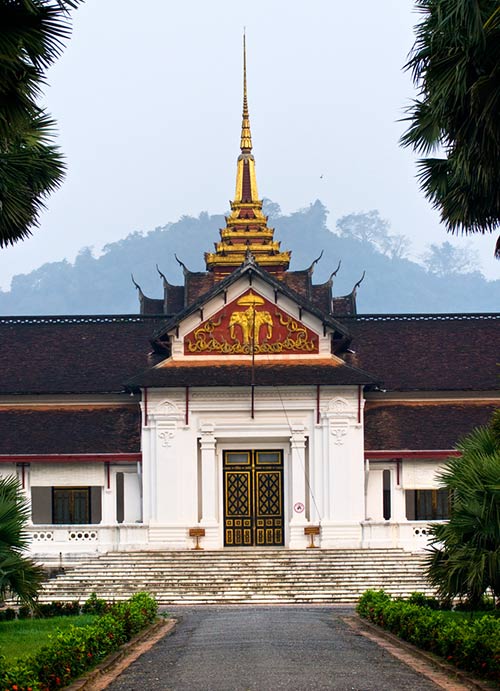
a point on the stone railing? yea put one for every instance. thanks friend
(80, 539)
(410, 535)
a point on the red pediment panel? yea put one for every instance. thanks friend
(251, 324)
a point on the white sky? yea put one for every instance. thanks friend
(147, 97)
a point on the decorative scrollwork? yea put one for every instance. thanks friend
(339, 434)
(249, 323)
(166, 437)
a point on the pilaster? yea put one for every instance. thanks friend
(208, 475)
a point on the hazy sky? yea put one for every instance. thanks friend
(147, 97)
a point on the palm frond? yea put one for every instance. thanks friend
(19, 576)
(464, 554)
(455, 65)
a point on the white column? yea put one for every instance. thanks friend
(108, 497)
(298, 461)
(374, 497)
(131, 498)
(149, 474)
(208, 476)
(325, 460)
(398, 503)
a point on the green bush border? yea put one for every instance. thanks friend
(471, 644)
(71, 653)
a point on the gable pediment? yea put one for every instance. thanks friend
(250, 313)
(251, 324)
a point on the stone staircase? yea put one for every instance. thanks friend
(242, 576)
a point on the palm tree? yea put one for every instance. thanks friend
(31, 38)
(464, 559)
(455, 64)
(20, 577)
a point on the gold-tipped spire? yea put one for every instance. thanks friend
(246, 230)
(246, 136)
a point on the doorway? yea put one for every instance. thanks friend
(253, 498)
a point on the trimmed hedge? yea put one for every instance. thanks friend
(473, 645)
(71, 653)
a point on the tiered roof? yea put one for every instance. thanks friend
(405, 354)
(246, 227)
(246, 234)
(100, 354)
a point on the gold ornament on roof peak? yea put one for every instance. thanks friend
(251, 299)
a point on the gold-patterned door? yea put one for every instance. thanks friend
(253, 498)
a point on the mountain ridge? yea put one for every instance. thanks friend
(103, 284)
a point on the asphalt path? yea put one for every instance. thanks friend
(267, 648)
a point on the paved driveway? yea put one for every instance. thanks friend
(267, 648)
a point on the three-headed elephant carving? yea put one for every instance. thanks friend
(248, 319)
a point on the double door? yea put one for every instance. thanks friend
(253, 498)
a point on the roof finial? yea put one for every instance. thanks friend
(246, 137)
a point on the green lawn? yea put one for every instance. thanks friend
(23, 637)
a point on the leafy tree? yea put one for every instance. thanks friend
(31, 38)
(445, 259)
(455, 64)
(271, 209)
(464, 560)
(369, 227)
(19, 576)
(101, 284)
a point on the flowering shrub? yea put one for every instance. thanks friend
(95, 605)
(73, 652)
(472, 644)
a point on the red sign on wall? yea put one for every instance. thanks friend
(251, 324)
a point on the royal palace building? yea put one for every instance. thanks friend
(249, 407)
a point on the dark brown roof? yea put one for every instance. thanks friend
(91, 354)
(174, 298)
(250, 268)
(321, 296)
(151, 305)
(196, 285)
(75, 429)
(343, 305)
(73, 354)
(299, 282)
(239, 373)
(417, 425)
(446, 352)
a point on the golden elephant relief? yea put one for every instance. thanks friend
(250, 321)
(251, 324)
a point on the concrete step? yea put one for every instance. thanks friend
(241, 576)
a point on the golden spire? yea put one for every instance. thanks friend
(246, 136)
(246, 226)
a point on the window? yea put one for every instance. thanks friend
(71, 505)
(66, 505)
(427, 504)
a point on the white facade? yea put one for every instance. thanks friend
(323, 461)
(328, 483)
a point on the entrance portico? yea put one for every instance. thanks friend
(237, 476)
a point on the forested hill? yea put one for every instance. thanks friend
(445, 282)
